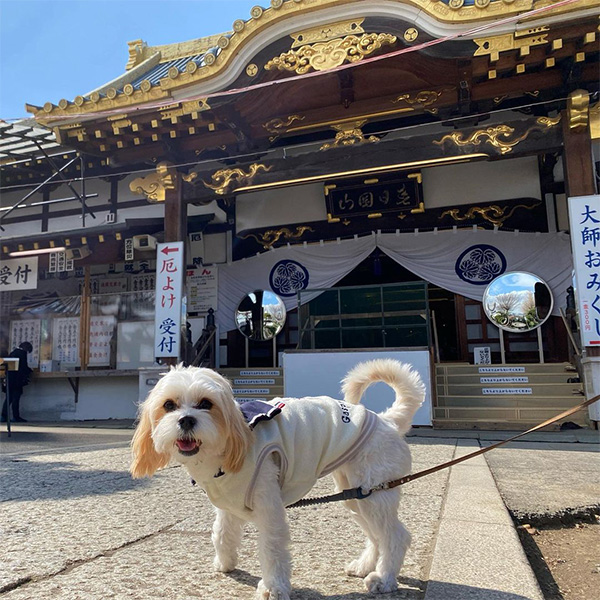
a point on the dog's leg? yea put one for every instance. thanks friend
(226, 538)
(273, 536)
(367, 561)
(380, 512)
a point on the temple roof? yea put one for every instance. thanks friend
(157, 73)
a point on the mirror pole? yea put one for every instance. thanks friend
(502, 354)
(540, 345)
(247, 352)
(274, 351)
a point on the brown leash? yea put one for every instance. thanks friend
(359, 494)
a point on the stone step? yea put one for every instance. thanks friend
(505, 378)
(564, 390)
(505, 370)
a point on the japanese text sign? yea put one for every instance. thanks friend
(19, 274)
(584, 217)
(169, 291)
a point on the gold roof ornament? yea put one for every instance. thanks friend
(423, 99)
(269, 238)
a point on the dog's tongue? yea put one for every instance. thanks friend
(186, 445)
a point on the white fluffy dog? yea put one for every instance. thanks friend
(253, 464)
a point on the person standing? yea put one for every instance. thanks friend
(16, 381)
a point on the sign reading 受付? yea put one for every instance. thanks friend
(584, 217)
(169, 291)
(19, 274)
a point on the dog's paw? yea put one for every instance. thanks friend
(357, 568)
(272, 593)
(376, 584)
(224, 565)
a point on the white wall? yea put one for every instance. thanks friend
(319, 373)
(300, 204)
(99, 398)
(479, 182)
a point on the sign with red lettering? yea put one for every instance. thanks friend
(169, 292)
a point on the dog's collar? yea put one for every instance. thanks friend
(219, 473)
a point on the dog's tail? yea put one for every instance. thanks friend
(410, 390)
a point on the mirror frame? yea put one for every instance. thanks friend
(261, 327)
(521, 316)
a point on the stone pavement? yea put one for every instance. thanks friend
(75, 525)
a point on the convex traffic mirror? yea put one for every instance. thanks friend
(518, 301)
(260, 315)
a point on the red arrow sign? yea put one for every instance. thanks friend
(169, 250)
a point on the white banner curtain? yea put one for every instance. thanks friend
(461, 261)
(286, 270)
(465, 261)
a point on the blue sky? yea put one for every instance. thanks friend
(53, 49)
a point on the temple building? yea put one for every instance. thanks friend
(371, 165)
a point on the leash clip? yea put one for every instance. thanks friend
(355, 494)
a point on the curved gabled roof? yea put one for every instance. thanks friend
(211, 64)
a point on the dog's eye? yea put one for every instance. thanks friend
(169, 405)
(204, 404)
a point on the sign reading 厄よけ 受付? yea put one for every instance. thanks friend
(19, 274)
(169, 291)
(584, 217)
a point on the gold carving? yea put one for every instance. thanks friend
(578, 105)
(272, 236)
(595, 121)
(411, 34)
(423, 99)
(155, 185)
(493, 214)
(324, 33)
(499, 136)
(277, 126)
(324, 56)
(251, 70)
(224, 180)
(349, 134)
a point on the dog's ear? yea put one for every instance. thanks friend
(146, 460)
(239, 437)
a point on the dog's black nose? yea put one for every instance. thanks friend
(187, 423)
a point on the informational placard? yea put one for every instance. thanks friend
(584, 218)
(169, 293)
(27, 330)
(129, 249)
(102, 331)
(202, 289)
(19, 274)
(482, 355)
(65, 340)
(112, 285)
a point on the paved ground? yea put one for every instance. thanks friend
(75, 525)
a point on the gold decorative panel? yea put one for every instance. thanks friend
(324, 56)
(328, 32)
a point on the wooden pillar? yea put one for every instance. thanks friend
(176, 231)
(578, 161)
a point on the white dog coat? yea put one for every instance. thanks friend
(311, 437)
